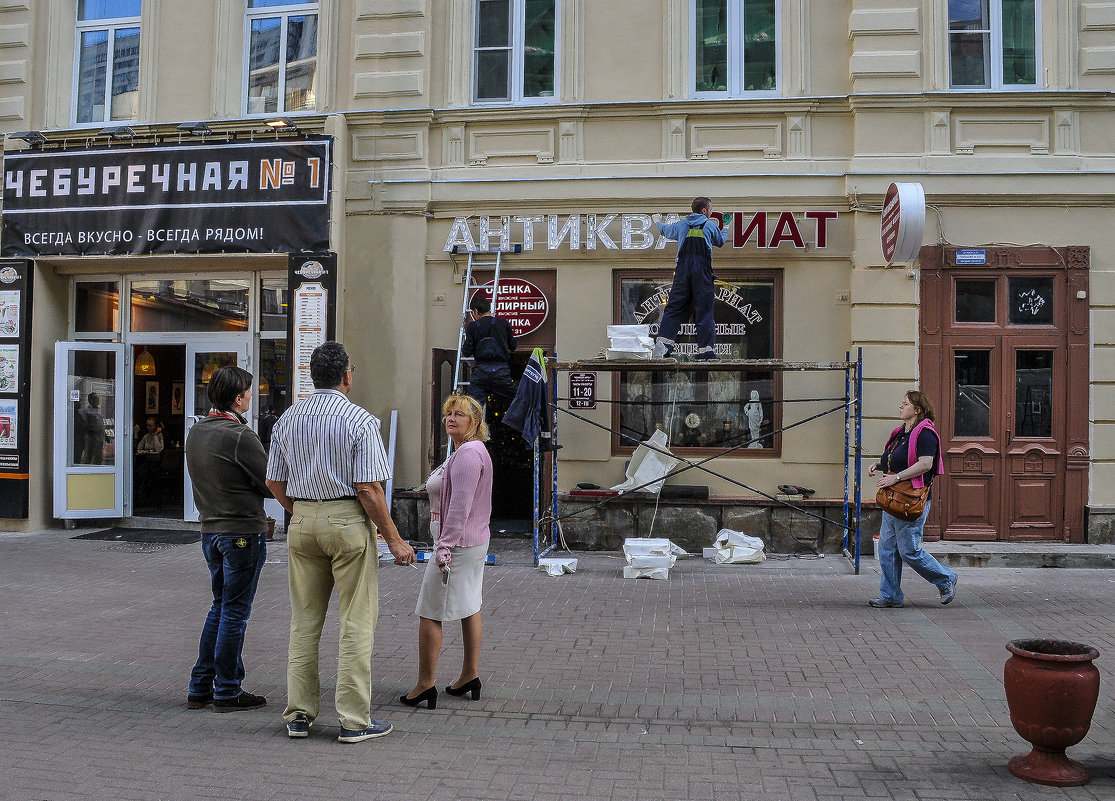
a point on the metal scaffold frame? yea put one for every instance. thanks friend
(853, 440)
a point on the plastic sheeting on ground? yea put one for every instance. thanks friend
(557, 566)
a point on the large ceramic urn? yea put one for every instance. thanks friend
(1052, 688)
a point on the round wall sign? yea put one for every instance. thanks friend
(903, 223)
(518, 302)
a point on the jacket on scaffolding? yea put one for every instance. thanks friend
(529, 412)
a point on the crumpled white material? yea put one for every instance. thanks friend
(736, 548)
(651, 460)
(629, 342)
(650, 557)
(557, 566)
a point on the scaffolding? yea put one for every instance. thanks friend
(853, 440)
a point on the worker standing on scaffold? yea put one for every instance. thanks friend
(693, 287)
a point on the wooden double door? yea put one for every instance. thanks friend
(1004, 355)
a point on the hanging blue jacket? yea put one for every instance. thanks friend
(529, 412)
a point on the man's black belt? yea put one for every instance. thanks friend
(323, 500)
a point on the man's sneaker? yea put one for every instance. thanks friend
(707, 356)
(239, 703)
(885, 603)
(949, 592)
(299, 726)
(378, 728)
(198, 700)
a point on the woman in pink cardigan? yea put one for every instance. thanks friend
(460, 493)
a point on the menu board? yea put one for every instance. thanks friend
(312, 283)
(16, 282)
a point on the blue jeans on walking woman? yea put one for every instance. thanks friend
(900, 542)
(235, 562)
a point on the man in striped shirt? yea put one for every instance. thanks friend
(326, 467)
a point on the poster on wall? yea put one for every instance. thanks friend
(263, 196)
(16, 295)
(312, 284)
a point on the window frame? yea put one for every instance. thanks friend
(295, 8)
(735, 58)
(994, 71)
(776, 277)
(111, 25)
(517, 63)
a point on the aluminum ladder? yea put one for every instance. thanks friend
(475, 261)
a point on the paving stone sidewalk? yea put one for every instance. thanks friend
(771, 681)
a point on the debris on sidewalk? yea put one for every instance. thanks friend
(737, 548)
(649, 557)
(557, 566)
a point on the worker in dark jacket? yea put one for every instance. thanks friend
(489, 341)
(228, 469)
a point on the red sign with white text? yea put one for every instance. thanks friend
(518, 302)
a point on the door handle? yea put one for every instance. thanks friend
(1008, 436)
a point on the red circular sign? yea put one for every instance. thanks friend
(518, 302)
(892, 217)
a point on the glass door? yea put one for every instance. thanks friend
(203, 357)
(90, 417)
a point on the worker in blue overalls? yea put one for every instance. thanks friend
(693, 287)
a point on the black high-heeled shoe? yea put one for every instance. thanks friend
(468, 687)
(428, 695)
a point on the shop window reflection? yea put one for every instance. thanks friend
(97, 307)
(92, 391)
(273, 397)
(207, 304)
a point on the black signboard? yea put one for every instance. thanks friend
(227, 197)
(16, 281)
(312, 317)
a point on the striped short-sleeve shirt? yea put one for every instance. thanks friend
(323, 445)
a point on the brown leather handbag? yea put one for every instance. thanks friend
(902, 500)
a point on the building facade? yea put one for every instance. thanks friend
(553, 129)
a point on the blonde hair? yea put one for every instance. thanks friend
(474, 410)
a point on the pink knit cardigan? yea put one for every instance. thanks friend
(466, 499)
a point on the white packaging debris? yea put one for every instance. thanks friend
(736, 548)
(628, 331)
(650, 557)
(659, 573)
(629, 342)
(557, 566)
(650, 464)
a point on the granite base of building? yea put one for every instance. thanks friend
(692, 524)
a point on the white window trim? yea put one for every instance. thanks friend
(518, 36)
(293, 9)
(996, 47)
(110, 24)
(735, 54)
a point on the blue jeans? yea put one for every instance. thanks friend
(235, 562)
(900, 542)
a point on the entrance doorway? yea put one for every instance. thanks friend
(1004, 355)
(159, 430)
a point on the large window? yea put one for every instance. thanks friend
(993, 44)
(735, 46)
(282, 56)
(715, 409)
(515, 56)
(106, 72)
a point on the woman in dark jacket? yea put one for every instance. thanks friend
(228, 469)
(913, 453)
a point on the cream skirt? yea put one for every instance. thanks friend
(463, 595)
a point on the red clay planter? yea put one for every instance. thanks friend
(1052, 688)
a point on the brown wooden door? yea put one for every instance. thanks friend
(1004, 354)
(1003, 425)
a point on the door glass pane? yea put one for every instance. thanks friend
(973, 393)
(205, 364)
(1031, 301)
(538, 54)
(205, 304)
(1033, 393)
(301, 62)
(759, 36)
(712, 45)
(97, 308)
(273, 304)
(975, 301)
(274, 392)
(92, 391)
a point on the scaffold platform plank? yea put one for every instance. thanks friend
(623, 365)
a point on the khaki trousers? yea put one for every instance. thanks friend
(331, 544)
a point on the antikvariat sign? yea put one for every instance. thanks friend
(235, 197)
